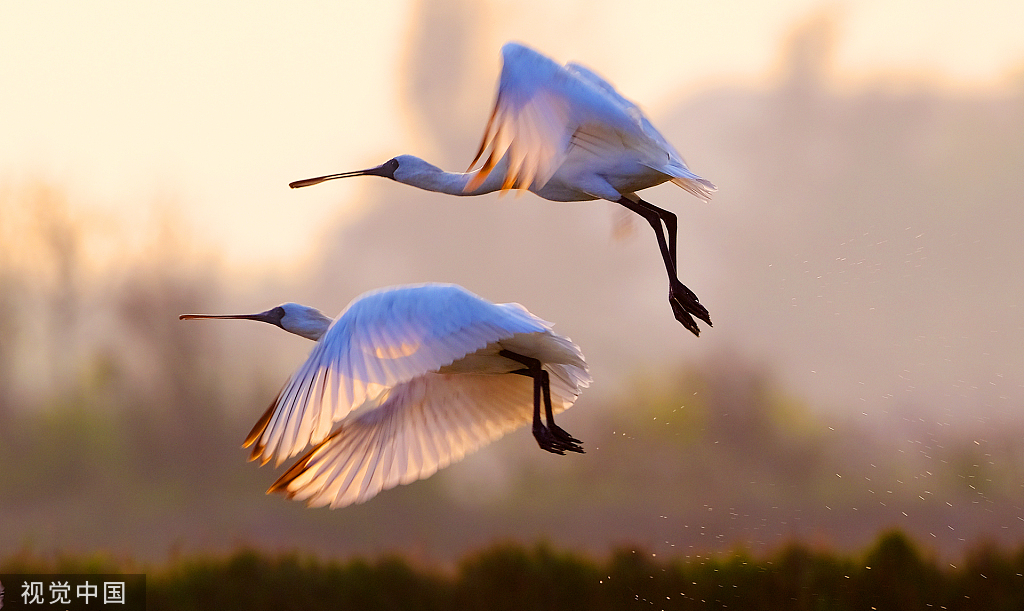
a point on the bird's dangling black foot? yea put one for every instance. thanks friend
(551, 437)
(554, 436)
(684, 304)
(555, 440)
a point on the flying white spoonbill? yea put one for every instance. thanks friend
(566, 134)
(429, 366)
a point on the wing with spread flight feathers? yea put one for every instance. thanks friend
(540, 105)
(424, 425)
(543, 108)
(675, 166)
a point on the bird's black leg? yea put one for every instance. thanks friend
(671, 224)
(684, 302)
(551, 437)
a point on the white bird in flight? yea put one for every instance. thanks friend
(428, 369)
(566, 134)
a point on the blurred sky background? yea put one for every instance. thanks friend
(861, 260)
(221, 106)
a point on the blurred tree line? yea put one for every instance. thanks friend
(892, 574)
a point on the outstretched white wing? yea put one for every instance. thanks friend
(656, 145)
(540, 106)
(381, 340)
(424, 425)
(544, 109)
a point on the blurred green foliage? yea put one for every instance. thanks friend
(892, 574)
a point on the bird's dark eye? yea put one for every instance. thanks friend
(277, 314)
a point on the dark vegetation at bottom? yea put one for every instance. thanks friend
(893, 574)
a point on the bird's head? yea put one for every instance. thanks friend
(292, 317)
(407, 167)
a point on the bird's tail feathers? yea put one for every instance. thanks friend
(697, 186)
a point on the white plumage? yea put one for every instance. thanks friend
(566, 134)
(428, 369)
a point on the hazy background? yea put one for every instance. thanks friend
(860, 263)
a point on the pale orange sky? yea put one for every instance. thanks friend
(217, 106)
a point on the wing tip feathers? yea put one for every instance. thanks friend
(297, 469)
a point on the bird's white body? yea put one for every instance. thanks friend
(420, 368)
(571, 182)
